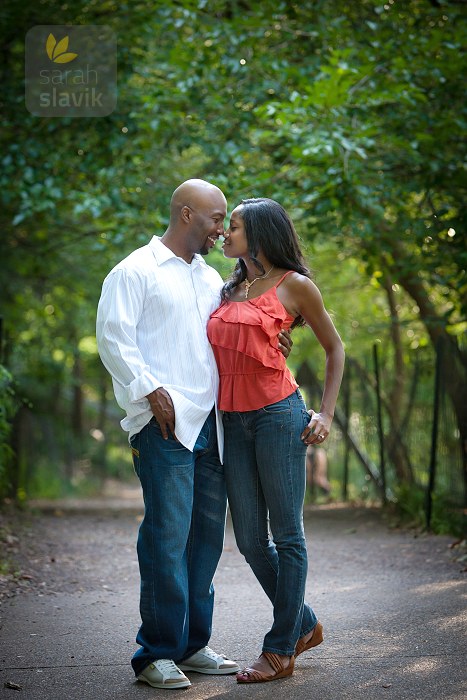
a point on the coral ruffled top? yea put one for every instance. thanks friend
(243, 335)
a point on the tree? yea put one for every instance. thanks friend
(349, 114)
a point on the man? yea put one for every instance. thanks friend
(151, 334)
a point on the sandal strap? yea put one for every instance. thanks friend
(274, 661)
(253, 674)
(315, 639)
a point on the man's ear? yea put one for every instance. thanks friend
(185, 214)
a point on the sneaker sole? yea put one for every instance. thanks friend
(165, 686)
(209, 671)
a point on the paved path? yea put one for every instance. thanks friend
(391, 604)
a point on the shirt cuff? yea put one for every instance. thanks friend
(143, 385)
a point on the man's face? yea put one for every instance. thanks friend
(207, 222)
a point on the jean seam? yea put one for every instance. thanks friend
(302, 580)
(152, 525)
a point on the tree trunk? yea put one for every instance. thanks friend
(18, 439)
(454, 367)
(102, 421)
(397, 452)
(77, 405)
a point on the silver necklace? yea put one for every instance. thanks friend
(263, 277)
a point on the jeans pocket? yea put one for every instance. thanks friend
(134, 443)
(172, 442)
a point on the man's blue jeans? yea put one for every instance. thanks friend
(179, 543)
(264, 461)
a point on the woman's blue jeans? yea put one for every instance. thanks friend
(264, 461)
(180, 541)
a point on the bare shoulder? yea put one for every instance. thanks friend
(298, 293)
(300, 285)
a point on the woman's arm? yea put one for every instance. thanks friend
(302, 296)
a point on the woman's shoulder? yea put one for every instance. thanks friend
(293, 279)
(299, 287)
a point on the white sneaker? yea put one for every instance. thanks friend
(164, 673)
(207, 661)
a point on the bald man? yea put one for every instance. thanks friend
(151, 334)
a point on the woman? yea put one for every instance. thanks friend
(267, 427)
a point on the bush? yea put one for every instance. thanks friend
(7, 410)
(447, 518)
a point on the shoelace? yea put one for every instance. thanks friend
(167, 666)
(212, 654)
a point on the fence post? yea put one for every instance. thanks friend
(346, 388)
(380, 423)
(434, 433)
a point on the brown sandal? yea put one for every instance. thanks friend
(253, 675)
(315, 639)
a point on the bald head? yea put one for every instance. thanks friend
(197, 213)
(196, 194)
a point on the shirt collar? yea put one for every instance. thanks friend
(162, 253)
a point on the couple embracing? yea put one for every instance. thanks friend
(213, 412)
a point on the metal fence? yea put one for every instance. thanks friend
(415, 456)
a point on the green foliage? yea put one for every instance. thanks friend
(446, 517)
(350, 114)
(7, 409)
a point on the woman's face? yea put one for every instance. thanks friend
(235, 244)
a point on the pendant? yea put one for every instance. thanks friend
(263, 277)
(247, 287)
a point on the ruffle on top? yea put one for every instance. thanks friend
(257, 323)
(252, 370)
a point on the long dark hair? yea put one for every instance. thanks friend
(269, 229)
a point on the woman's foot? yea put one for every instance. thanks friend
(310, 640)
(269, 667)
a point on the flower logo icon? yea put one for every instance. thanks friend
(58, 51)
(70, 70)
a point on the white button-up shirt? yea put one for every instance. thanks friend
(151, 333)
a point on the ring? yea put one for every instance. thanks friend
(321, 437)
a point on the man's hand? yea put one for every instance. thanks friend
(285, 343)
(163, 410)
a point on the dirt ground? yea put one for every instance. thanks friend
(42, 551)
(392, 602)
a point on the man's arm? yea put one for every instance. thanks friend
(118, 313)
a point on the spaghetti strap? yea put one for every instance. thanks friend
(283, 276)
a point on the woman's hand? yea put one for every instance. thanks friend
(317, 429)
